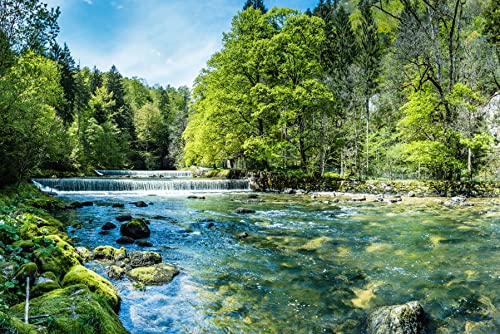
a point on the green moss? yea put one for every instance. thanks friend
(45, 283)
(45, 203)
(95, 283)
(29, 269)
(59, 258)
(17, 326)
(109, 253)
(74, 309)
(153, 275)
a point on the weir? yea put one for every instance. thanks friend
(137, 185)
(145, 173)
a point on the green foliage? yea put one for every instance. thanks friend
(31, 133)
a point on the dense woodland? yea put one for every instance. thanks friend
(369, 88)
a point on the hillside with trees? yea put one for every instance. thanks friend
(365, 89)
(370, 88)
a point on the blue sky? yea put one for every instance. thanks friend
(161, 41)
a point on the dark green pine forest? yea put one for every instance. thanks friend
(358, 88)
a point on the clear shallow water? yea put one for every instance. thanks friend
(306, 266)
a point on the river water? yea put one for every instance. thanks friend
(307, 266)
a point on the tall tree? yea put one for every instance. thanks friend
(256, 4)
(67, 68)
(26, 25)
(368, 59)
(121, 112)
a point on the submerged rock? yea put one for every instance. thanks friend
(123, 240)
(143, 259)
(243, 235)
(195, 197)
(243, 211)
(141, 204)
(108, 226)
(124, 218)
(143, 243)
(136, 229)
(118, 205)
(408, 318)
(154, 275)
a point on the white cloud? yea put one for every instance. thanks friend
(88, 1)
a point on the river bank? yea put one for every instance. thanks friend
(64, 296)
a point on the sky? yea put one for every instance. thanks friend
(165, 42)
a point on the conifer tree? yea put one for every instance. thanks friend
(256, 4)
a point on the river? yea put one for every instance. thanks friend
(307, 265)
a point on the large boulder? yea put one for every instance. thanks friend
(136, 229)
(408, 318)
(143, 259)
(154, 275)
(58, 258)
(95, 283)
(74, 309)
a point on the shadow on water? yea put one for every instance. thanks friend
(306, 266)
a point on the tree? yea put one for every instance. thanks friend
(368, 60)
(121, 111)
(67, 69)
(31, 133)
(26, 25)
(262, 93)
(255, 4)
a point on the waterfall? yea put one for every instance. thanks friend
(137, 185)
(145, 173)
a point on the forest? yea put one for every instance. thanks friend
(358, 88)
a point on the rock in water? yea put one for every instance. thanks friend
(144, 259)
(141, 204)
(155, 275)
(108, 226)
(243, 211)
(408, 318)
(124, 240)
(136, 229)
(124, 218)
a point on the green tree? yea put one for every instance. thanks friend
(25, 25)
(67, 69)
(368, 59)
(31, 134)
(255, 4)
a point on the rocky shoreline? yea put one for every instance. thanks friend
(267, 181)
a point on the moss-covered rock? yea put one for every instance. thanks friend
(58, 258)
(116, 272)
(46, 203)
(84, 253)
(45, 283)
(17, 326)
(154, 275)
(143, 259)
(98, 285)
(25, 245)
(74, 309)
(29, 269)
(110, 253)
(136, 229)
